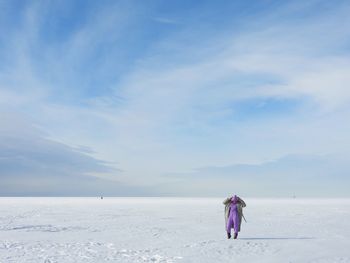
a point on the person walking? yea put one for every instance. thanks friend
(233, 215)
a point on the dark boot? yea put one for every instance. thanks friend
(228, 235)
(235, 236)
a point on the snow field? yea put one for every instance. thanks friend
(172, 230)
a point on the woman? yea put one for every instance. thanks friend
(233, 215)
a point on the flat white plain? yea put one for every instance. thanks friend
(172, 230)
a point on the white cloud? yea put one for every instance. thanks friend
(300, 175)
(32, 164)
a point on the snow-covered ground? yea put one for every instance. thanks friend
(171, 230)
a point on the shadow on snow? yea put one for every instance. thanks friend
(275, 238)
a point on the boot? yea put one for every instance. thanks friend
(228, 235)
(235, 236)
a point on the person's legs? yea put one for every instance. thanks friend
(230, 225)
(236, 224)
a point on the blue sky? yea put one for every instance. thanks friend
(190, 98)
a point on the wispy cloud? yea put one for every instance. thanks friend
(32, 164)
(294, 175)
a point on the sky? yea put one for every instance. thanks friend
(175, 98)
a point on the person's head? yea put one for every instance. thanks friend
(234, 199)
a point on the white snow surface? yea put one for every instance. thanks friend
(172, 230)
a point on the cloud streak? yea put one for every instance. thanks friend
(307, 176)
(31, 164)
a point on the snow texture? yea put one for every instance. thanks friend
(172, 230)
